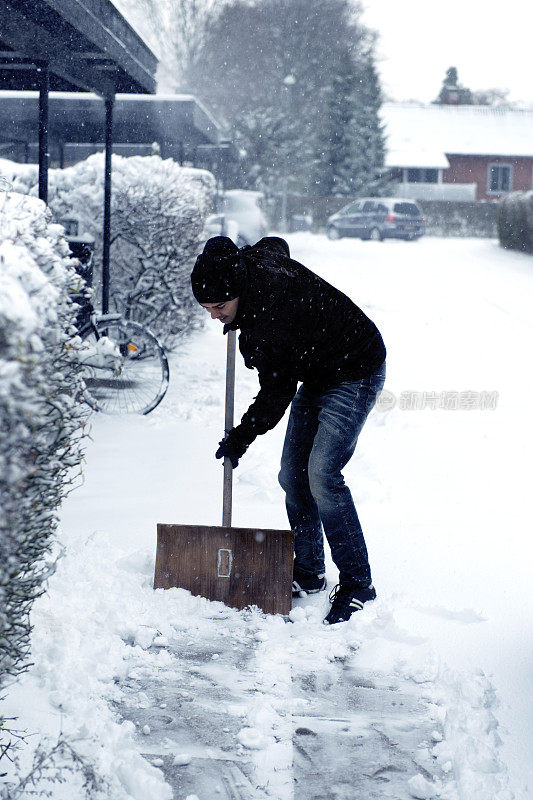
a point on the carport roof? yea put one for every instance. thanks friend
(78, 117)
(86, 44)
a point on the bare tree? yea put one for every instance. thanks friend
(175, 30)
(492, 97)
(190, 20)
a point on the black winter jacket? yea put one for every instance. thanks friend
(294, 326)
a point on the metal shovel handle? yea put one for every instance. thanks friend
(228, 425)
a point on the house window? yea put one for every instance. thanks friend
(417, 175)
(500, 177)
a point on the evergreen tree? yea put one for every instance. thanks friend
(334, 167)
(351, 150)
(370, 176)
(452, 92)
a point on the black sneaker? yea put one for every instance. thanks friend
(347, 599)
(303, 584)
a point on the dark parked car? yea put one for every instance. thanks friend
(378, 218)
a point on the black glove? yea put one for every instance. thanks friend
(231, 447)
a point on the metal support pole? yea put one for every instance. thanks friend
(43, 132)
(109, 103)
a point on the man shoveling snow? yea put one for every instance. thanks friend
(295, 327)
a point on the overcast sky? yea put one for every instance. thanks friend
(419, 39)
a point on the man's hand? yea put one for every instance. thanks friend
(231, 448)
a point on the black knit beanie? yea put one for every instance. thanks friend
(218, 273)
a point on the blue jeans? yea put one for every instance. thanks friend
(321, 436)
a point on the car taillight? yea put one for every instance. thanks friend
(390, 218)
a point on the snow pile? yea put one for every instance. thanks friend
(471, 746)
(41, 417)
(80, 657)
(158, 215)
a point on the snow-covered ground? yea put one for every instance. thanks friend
(174, 697)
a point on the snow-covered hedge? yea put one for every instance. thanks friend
(41, 413)
(515, 221)
(158, 215)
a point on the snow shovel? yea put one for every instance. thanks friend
(239, 566)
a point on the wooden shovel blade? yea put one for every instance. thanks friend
(238, 566)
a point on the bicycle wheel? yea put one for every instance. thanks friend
(126, 369)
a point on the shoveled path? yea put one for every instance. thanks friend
(252, 708)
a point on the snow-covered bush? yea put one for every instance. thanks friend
(158, 214)
(41, 413)
(515, 221)
(18, 177)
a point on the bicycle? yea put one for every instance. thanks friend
(126, 369)
(125, 366)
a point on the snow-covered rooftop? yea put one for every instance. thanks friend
(420, 135)
(416, 157)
